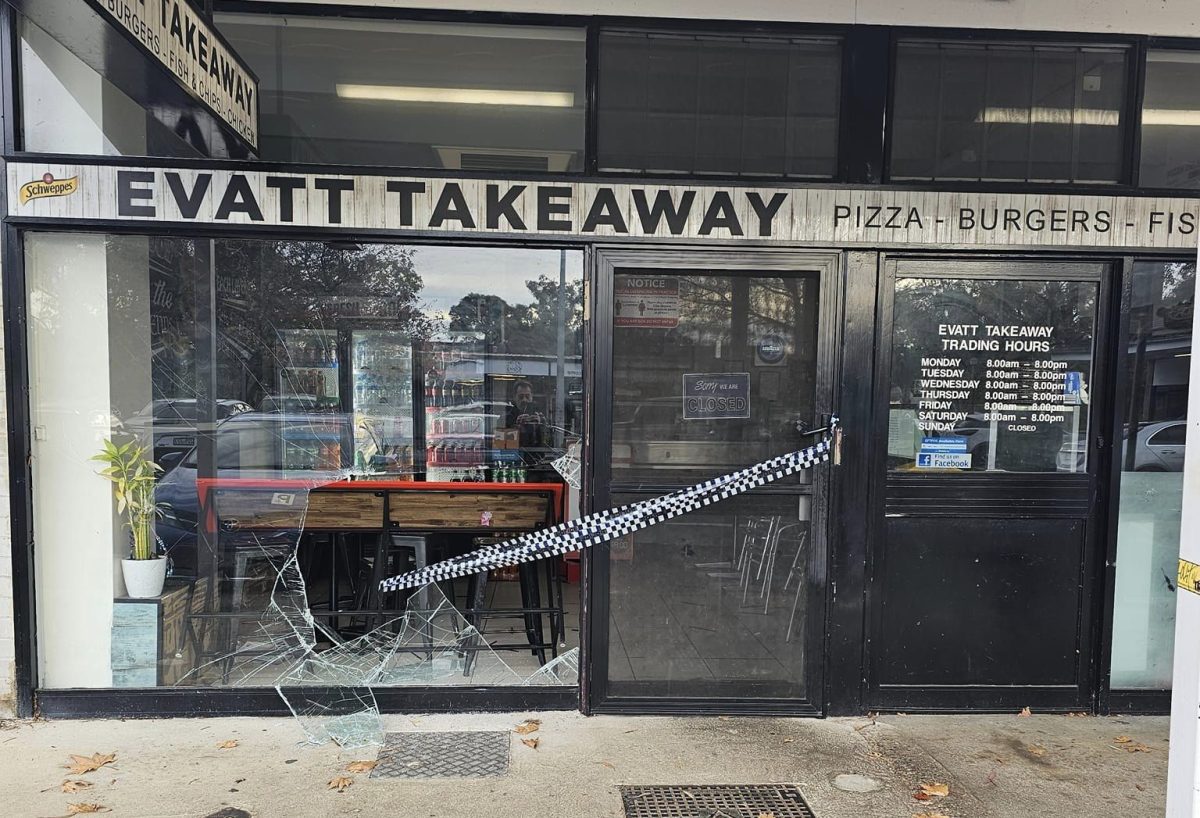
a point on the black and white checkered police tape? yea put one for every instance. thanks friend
(603, 526)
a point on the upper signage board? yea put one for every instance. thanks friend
(791, 216)
(178, 36)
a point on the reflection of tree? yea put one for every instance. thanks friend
(523, 328)
(265, 287)
(922, 304)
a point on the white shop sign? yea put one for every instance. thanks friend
(875, 217)
(177, 35)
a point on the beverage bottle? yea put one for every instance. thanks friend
(430, 377)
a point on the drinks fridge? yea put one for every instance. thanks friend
(382, 396)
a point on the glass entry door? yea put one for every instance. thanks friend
(717, 362)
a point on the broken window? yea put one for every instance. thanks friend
(325, 415)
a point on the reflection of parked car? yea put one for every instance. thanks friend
(253, 445)
(172, 422)
(1159, 446)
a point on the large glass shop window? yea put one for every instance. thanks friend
(990, 375)
(347, 412)
(1157, 350)
(471, 97)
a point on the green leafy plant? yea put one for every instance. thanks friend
(133, 474)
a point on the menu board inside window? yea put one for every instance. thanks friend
(991, 375)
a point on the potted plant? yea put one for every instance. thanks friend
(133, 475)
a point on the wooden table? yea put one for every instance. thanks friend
(381, 508)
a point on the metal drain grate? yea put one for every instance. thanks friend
(709, 801)
(474, 754)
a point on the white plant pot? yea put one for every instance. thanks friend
(144, 578)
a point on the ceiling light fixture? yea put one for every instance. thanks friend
(1170, 116)
(457, 96)
(1041, 115)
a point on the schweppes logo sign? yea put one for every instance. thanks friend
(48, 186)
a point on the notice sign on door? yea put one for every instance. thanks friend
(646, 301)
(717, 396)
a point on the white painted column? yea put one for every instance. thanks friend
(70, 407)
(1183, 776)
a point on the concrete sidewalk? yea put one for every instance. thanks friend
(995, 766)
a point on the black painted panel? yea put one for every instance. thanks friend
(980, 601)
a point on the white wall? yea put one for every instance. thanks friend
(72, 505)
(1165, 17)
(7, 649)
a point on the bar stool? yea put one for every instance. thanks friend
(531, 611)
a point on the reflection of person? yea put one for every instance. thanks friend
(524, 416)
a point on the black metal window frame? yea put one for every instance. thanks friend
(862, 150)
(1122, 700)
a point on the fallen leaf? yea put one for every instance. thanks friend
(1135, 747)
(921, 795)
(788, 740)
(80, 809)
(531, 743)
(361, 766)
(991, 779)
(608, 764)
(340, 783)
(1025, 711)
(228, 745)
(1122, 739)
(1035, 750)
(528, 726)
(86, 764)
(75, 786)
(1139, 787)
(1078, 715)
(936, 790)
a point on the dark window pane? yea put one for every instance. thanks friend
(700, 104)
(731, 621)
(412, 94)
(1008, 111)
(1171, 120)
(1173, 435)
(716, 326)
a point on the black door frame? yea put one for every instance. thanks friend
(1106, 273)
(602, 263)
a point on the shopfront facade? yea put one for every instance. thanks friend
(400, 286)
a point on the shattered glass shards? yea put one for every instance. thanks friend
(325, 680)
(431, 644)
(568, 465)
(348, 717)
(563, 670)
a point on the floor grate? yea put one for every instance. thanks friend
(715, 801)
(473, 754)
